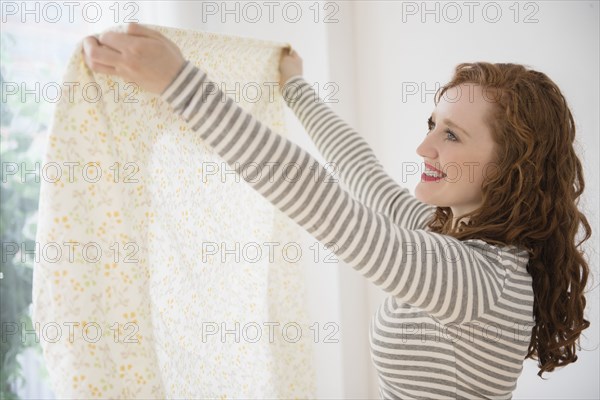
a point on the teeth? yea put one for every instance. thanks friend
(433, 174)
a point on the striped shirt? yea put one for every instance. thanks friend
(457, 320)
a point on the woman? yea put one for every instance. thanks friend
(481, 267)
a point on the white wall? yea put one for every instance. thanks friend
(372, 53)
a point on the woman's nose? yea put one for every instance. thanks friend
(427, 148)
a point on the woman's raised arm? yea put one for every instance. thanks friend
(421, 268)
(353, 157)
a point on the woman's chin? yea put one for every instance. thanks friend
(424, 197)
(421, 193)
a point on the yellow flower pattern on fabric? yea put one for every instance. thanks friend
(132, 294)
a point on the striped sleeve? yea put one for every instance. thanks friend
(359, 168)
(425, 269)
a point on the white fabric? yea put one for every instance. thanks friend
(156, 204)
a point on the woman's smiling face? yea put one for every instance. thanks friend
(459, 143)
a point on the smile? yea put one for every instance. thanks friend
(430, 178)
(432, 174)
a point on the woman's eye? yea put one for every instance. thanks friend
(451, 136)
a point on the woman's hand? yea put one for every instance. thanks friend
(140, 55)
(290, 64)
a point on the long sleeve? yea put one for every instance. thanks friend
(360, 169)
(425, 269)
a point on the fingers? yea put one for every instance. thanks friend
(117, 40)
(121, 40)
(101, 68)
(97, 54)
(136, 29)
(289, 51)
(283, 54)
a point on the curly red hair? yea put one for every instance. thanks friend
(531, 200)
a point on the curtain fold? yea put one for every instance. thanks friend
(162, 274)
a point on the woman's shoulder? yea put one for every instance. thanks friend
(511, 253)
(513, 257)
(497, 258)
